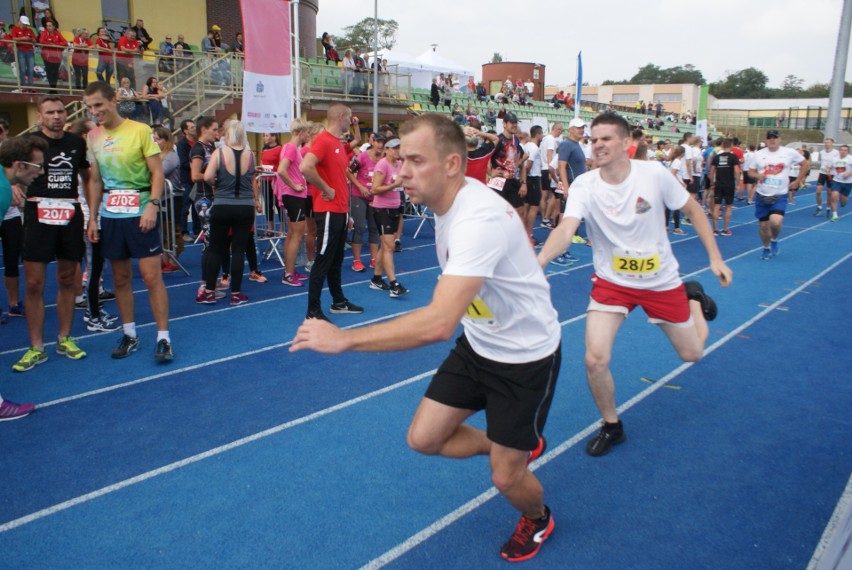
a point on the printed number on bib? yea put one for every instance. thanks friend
(123, 202)
(479, 311)
(497, 183)
(774, 182)
(55, 212)
(637, 267)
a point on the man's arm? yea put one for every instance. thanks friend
(434, 323)
(148, 220)
(559, 240)
(94, 191)
(696, 214)
(309, 169)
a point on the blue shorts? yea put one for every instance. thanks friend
(121, 238)
(762, 210)
(842, 187)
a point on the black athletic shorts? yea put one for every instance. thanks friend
(121, 238)
(516, 397)
(533, 197)
(11, 238)
(44, 243)
(511, 192)
(297, 209)
(387, 220)
(545, 180)
(724, 195)
(309, 206)
(824, 179)
(748, 179)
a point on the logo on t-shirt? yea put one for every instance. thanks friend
(771, 169)
(642, 205)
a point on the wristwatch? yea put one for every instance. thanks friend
(154, 201)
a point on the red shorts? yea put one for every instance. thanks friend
(669, 306)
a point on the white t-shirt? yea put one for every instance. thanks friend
(554, 172)
(535, 157)
(827, 160)
(512, 319)
(587, 150)
(626, 224)
(841, 167)
(697, 161)
(776, 166)
(548, 142)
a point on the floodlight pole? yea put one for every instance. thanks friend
(376, 66)
(835, 96)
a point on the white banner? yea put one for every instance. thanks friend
(267, 102)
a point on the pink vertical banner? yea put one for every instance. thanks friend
(267, 78)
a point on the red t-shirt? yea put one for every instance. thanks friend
(105, 48)
(124, 43)
(52, 54)
(19, 32)
(81, 57)
(332, 161)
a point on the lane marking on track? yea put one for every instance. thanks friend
(445, 521)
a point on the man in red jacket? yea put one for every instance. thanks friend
(25, 39)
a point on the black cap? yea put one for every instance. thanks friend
(773, 134)
(510, 118)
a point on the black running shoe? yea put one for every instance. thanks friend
(164, 351)
(528, 537)
(397, 246)
(317, 315)
(397, 290)
(695, 292)
(106, 295)
(127, 345)
(345, 308)
(379, 284)
(606, 438)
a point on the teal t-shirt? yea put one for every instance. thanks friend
(5, 193)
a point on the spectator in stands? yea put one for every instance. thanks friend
(40, 9)
(481, 93)
(80, 58)
(154, 96)
(435, 93)
(53, 45)
(217, 38)
(238, 46)
(181, 43)
(328, 46)
(348, 72)
(105, 67)
(129, 105)
(207, 44)
(142, 34)
(128, 50)
(360, 72)
(167, 55)
(48, 17)
(25, 39)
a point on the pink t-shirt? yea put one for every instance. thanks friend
(364, 176)
(291, 153)
(390, 199)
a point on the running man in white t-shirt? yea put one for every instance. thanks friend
(770, 168)
(506, 362)
(623, 202)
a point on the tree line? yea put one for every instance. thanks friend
(749, 83)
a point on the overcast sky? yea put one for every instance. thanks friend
(617, 37)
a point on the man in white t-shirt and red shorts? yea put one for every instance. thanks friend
(623, 203)
(506, 362)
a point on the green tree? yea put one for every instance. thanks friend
(684, 74)
(647, 75)
(362, 34)
(496, 58)
(749, 83)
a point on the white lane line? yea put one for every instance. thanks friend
(210, 453)
(829, 554)
(480, 500)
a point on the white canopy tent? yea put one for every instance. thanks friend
(423, 68)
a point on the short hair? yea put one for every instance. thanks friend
(184, 125)
(449, 137)
(535, 131)
(102, 87)
(336, 110)
(846, 146)
(297, 125)
(828, 139)
(613, 118)
(727, 143)
(235, 134)
(45, 98)
(556, 125)
(81, 126)
(20, 148)
(637, 134)
(387, 130)
(204, 122)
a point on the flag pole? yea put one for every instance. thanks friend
(297, 67)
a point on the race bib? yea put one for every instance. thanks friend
(775, 182)
(479, 312)
(122, 202)
(636, 267)
(795, 170)
(55, 212)
(497, 183)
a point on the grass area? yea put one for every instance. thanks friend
(756, 135)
